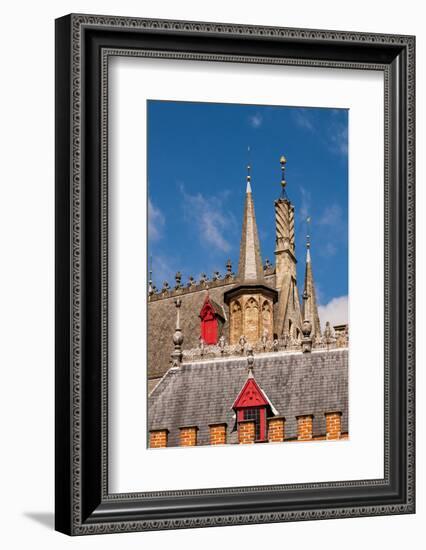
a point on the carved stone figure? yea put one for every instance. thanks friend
(242, 341)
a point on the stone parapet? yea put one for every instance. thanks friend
(218, 280)
(280, 345)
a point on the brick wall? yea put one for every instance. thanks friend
(217, 434)
(333, 421)
(246, 431)
(276, 429)
(188, 436)
(304, 427)
(158, 438)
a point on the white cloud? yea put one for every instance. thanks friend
(338, 136)
(303, 119)
(212, 224)
(328, 250)
(156, 222)
(256, 120)
(333, 135)
(332, 216)
(305, 205)
(319, 292)
(336, 312)
(333, 230)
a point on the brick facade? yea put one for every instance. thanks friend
(276, 429)
(333, 422)
(158, 438)
(304, 427)
(246, 431)
(188, 436)
(217, 434)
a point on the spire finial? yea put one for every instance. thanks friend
(308, 231)
(150, 285)
(177, 337)
(248, 177)
(283, 162)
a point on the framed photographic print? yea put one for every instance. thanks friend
(234, 274)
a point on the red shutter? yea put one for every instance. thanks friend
(209, 331)
(209, 323)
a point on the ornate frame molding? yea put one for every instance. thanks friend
(83, 504)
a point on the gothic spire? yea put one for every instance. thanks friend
(288, 318)
(250, 268)
(309, 305)
(251, 301)
(284, 218)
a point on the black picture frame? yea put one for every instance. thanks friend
(83, 504)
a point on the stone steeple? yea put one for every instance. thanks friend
(250, 267)
(309, 305)
(251, 301)
(288, 317)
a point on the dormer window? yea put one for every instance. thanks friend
(252, 404)
(212, 320)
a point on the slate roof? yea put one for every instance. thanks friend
(199, 394)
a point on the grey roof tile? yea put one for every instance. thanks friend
(199, 394)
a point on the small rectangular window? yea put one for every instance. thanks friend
(254, 414)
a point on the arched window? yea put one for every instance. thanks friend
(267, 318)
(236, 321)
(251, 321)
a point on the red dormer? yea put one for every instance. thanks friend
(252, 404)
(212, 320)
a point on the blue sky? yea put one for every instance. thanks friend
(197, 159)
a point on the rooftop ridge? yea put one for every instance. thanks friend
(243, 358)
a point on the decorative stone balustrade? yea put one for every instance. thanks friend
(286, 344)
